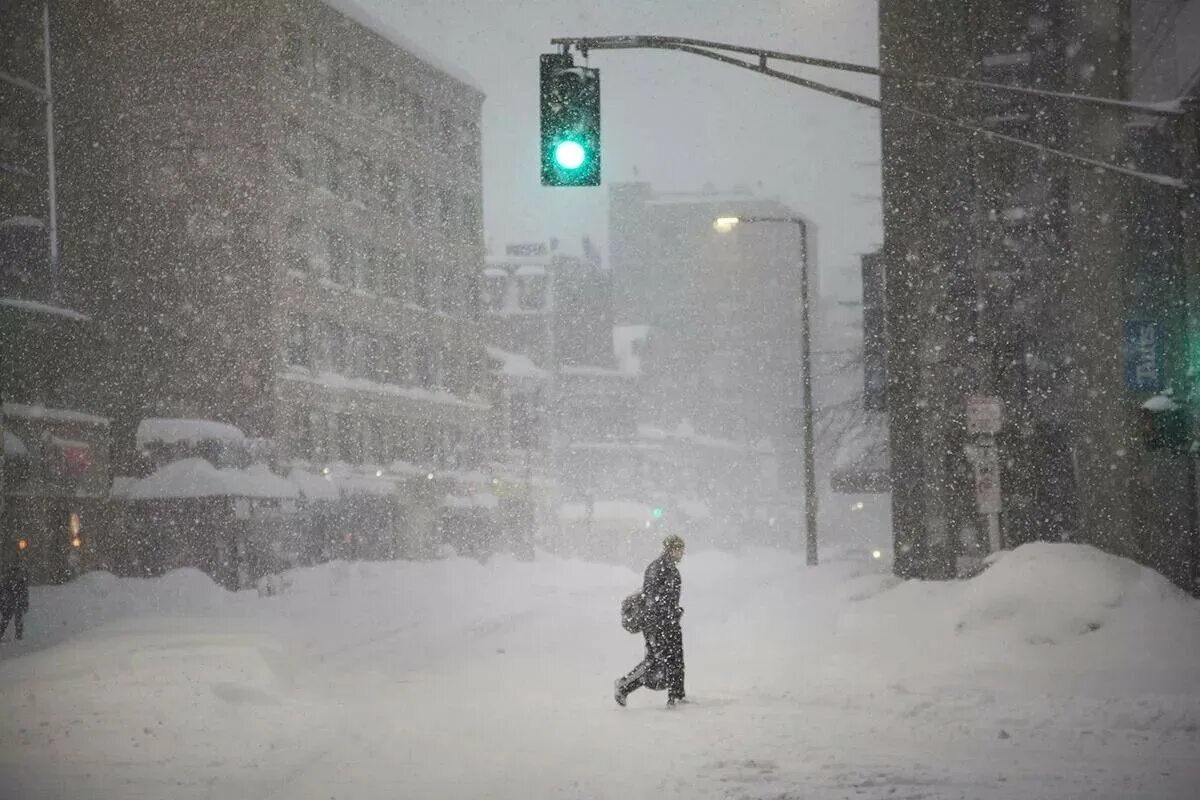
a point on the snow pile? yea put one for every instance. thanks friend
(457, 679)
(160, 430)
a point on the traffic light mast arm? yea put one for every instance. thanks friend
(709, 50)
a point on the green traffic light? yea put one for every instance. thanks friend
(569, 154)
(657, 512)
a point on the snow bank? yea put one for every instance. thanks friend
(195, 477)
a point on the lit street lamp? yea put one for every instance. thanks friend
(725, 225)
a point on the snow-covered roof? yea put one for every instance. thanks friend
(313, 487)
(169, 431)
(35, 307)
(517, 365)
(352, 10)
(22, 221)
(594, 372)
(334, 381)
(1160, 402)
(531, 271)
(53, 414)
(195, 477)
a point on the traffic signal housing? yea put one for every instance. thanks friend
(570, 122)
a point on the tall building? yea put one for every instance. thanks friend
(54, 461)
(1008, 277)
(276, 210)
(724, 308)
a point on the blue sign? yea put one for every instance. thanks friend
(1144, 361)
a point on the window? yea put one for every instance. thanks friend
(420, 284)
(296, 351)
(494, 286)
(357, 271)
(349, 438)
(294, 244)
(531, 295)
(300, 434)
(338, 262)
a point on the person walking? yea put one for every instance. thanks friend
(14, 589)
(662, 668)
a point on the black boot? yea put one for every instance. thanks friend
(619, 691)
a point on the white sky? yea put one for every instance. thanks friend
(679, 120)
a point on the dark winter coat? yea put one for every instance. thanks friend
(660, 591)
(14, 588)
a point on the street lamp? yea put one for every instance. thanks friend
(725, 225)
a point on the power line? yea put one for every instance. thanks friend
(710, 50)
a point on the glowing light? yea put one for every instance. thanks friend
(76, 542)
(429, 477)
(876, 554)
(378, 473)
(725, 224)
(73, 523)
(22, 544)
(857, 506)
(569, 154)
(325, 471)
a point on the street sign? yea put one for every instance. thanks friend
(1144, 370)
(986, 463)
(985, 415)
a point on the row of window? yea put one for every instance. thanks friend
(322, 345)
(368, 92)
(330, 254)
(354, 176)
(497, 292)
(321, 438)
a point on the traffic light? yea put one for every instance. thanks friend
(570, 122)
(657, 512)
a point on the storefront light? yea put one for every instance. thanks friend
(74, 524)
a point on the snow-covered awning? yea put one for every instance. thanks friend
(313, 487)
(195, 477)
(170, 431)
(517, 365)
(35, 307)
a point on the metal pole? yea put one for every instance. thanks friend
(810, 477)
(51, 183)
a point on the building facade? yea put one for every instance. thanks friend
(1011, 275)
(54, 461)
(724, 307)
(275, 211)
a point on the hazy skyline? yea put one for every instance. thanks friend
(674, 120)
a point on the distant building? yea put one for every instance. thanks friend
(724, 308)
(277, 212)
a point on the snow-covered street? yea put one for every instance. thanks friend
(453, 679)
